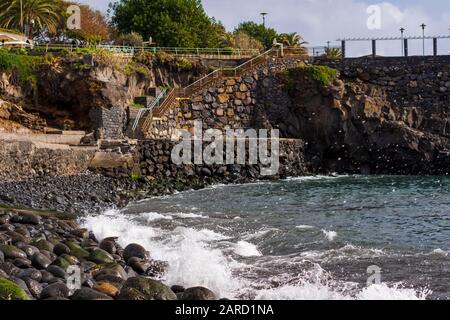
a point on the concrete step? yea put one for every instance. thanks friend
(68, 139)
(64, 132)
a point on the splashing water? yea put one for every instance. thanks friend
(249, 244)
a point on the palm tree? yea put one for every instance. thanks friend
(333, 53)
(292, 40)
(39, 14)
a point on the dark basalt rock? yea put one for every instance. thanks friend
(22, 263)
(135, 250)
(12, 252)
(54, 290)
(89, 294)
(139, 288)
(198, 293)
(30, 274)
(28, 249)
(37, 273)
(109, 246)
(40, 261)
(34, 287)
(61, 248)
(29, 218)
(57, 272)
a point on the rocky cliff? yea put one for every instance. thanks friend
(90, 92)
(378, 116)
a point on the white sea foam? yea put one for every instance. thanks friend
(393, 292)
(182, 215)
(312, 178)
(304, 227)
(201, 257)
(247, 249)
(154, 216)
(330, 235)
(192, 260)
(440, 252)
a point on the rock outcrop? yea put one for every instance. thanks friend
(382, 116)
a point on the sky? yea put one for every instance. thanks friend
(319, 21)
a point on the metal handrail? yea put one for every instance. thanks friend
(216, 74)
(155, 102)
(171, 96)
(172, 50)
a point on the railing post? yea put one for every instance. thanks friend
(435, 46)
(406, 47)
(374, 48)
(343, 49)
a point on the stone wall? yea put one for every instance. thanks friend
(20, 160)
(226, 102)
(156, 164)
(109, 123)
(380, 116)
(418, 87)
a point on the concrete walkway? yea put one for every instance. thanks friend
(72, 138)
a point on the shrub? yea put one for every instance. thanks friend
(322, 74)
(228, 51)
(133, 67)
(26, 65)
(144, 57)
(183, 64)
(132, 39)
(164, 57)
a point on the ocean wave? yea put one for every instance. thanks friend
(154, 216)
(203, 257)
(318, 177)
(346, 252)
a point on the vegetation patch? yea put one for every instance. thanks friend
(133, 67)
(322, 74)
(11, 291)
(26, 65)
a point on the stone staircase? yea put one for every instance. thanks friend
(166, 102)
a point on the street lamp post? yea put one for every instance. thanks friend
(423, 25)
(402, 30)
(264, 14)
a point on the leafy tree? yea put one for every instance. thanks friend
(170, 23)
(258, 32)
(130, 39)
(94, 26)
(37, 15)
